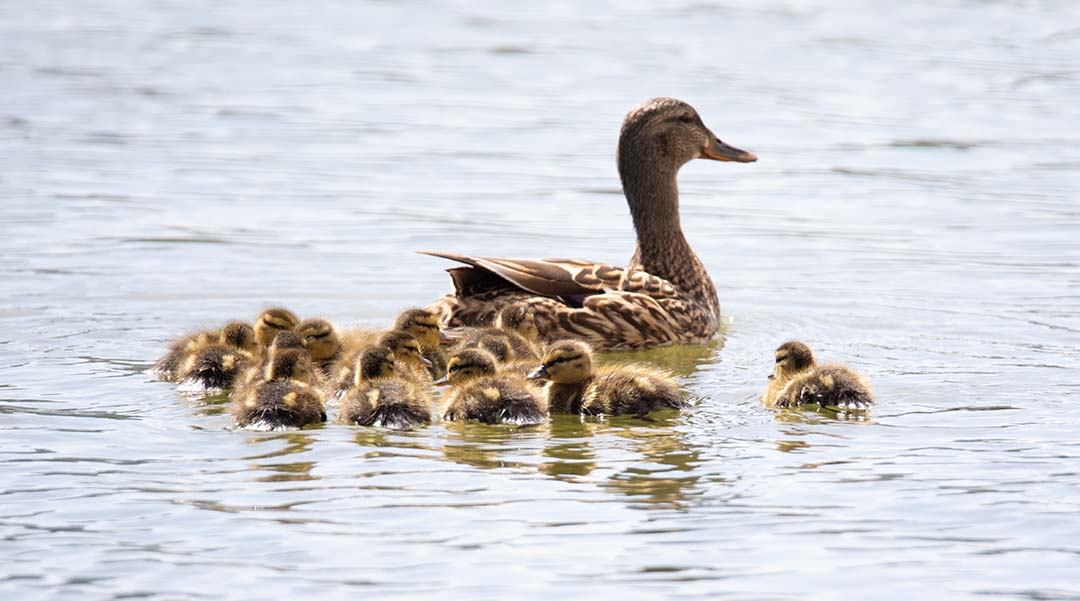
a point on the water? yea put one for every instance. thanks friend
(914, 213)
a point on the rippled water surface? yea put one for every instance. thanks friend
(165, 166)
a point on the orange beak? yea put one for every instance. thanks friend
(719, 151)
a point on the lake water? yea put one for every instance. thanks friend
(914, 213)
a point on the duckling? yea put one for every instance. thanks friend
(423, 325)
(272, 321)
(379, 397)
(286, 397)
(322, 342)
(171, 366)
(479, 392)
(797, 379)
(519, 322)
(514, 323)
(575, 386)
(501, 347)
(410, 364)
(218, 366)
(256, 370)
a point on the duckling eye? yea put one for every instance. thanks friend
(686, 119)
(455, 368)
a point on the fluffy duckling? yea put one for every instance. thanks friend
(171, 366)
(322, 342)
(410, 363)
(273, 321)
(575, 386)
(516, 325)
(286, 397)
(519, 322)
(218, 366)
(256, 370)
(797, 379)
(502, 348)
(479, 392)
(424, 326)
(379, 397)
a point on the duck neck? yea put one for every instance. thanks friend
(662, 248)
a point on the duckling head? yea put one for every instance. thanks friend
(375, 363)
(468, 364)
(405, 347)
(238, 335)
(422, 324)
(273, 321)
(565, 362)
(290, 364)
(498, 346)
(288, 340)
(665, 134)
(518, 318)
(791, 358)
(320, 337)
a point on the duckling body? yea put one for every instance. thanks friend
(575, 386)
(220, 365)
(799, 380)
(480, 393)
(379, 397)
(285, 399)
(171, 367)
(322, 342)
(664, 296)
(273, 321)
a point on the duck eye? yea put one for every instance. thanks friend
(686, 119)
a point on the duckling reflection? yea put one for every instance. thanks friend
(663, 472)
(486, 447)
(295, 443)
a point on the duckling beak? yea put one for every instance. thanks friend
(540, 373)
(720, 151)
(445, 340)
(443, 381)
(772, 376)
(425, 361)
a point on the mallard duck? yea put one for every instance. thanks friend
(218, 366)
(575, 386)
(664, 296)
(797, 379)
(479, 392)
(286, 398)
(272, 321)
(322, 343)
(379, 397)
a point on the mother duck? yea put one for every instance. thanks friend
(663, 297)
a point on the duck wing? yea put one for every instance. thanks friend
(566, 279)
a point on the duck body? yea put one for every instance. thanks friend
(217, 367)
(379, 397)
(575, 386)
(279, 405)
(664, 296)
(799, 380)
(174, 364)
(393, 403)
(495, 400)
(480, 392)
(284, 399)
